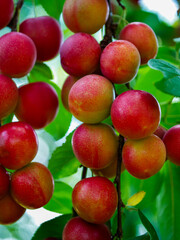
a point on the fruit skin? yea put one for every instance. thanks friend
(171, 140)
(80, 54)
(90, 98)
(95, 199)
(120, 61)
(37, 104)
(17, 54)
(46, 34)
(6, 12)
(67, 85)
(4, 182)
(8, 96)
(95, 145)
(109, 171)
(32, 186)
(18, 144)
(10, 210)
(85, 16)
(160, 131)
(135, 114)
(145, 157)
(78, 229)
(143, 37)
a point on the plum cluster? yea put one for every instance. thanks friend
(24, 184)
(88, 93)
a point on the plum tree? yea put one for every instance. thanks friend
(90, 198)
(32, 186)
(18, 145)
(144, 157)
(10, 210)
(4, 181)
(85, 16)
(6, 12)
(171, 140)
(90, 98)
(37, 104)
(143, 37)
(80, 54)
(77, 229)
(120, 61)
(8, 96)
(135, 114)
(95, 145)
(46, 35)
(17, 54)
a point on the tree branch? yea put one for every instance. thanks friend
(14, 21)
(121, 5)
(117, 181)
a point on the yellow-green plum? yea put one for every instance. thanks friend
(78, 229)
(80, 54)
(144, 157)
(67, 85)
(171, 140)
(120, 61)
(135, 114)
(10, 210)
(95, 145)
(85, 16)
(90, 98)
(95, 199)
(143, 37)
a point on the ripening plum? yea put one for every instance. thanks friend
(6, 12)
(143, 37)
(109, 171)
(160, 131)
(144, 157)
(120, 61)
(80, 54)
(10, 210)
(171, 140)
(85, 16)
(46, 34)
(8, 96)
(32, 186)
(78, 229)
(95, 199)
(90, 98)
(18, 144)
(4, 181)
(135, 114)
(17, 54)
(95, 145)
(68, 83)
(37, 105)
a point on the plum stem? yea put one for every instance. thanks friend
(14, 21)
(117, 181)
(121, 5)
(84, 172)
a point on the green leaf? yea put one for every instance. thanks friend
(169, 54)
(149, 227)
(168, 70)
(53, 7)
(142, 237)
(170, 85)
(61, 201)
(40, 72)
(63, 162)
(18, 230)
(52, 228)
(170, 114)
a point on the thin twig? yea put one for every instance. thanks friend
(14, 21)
